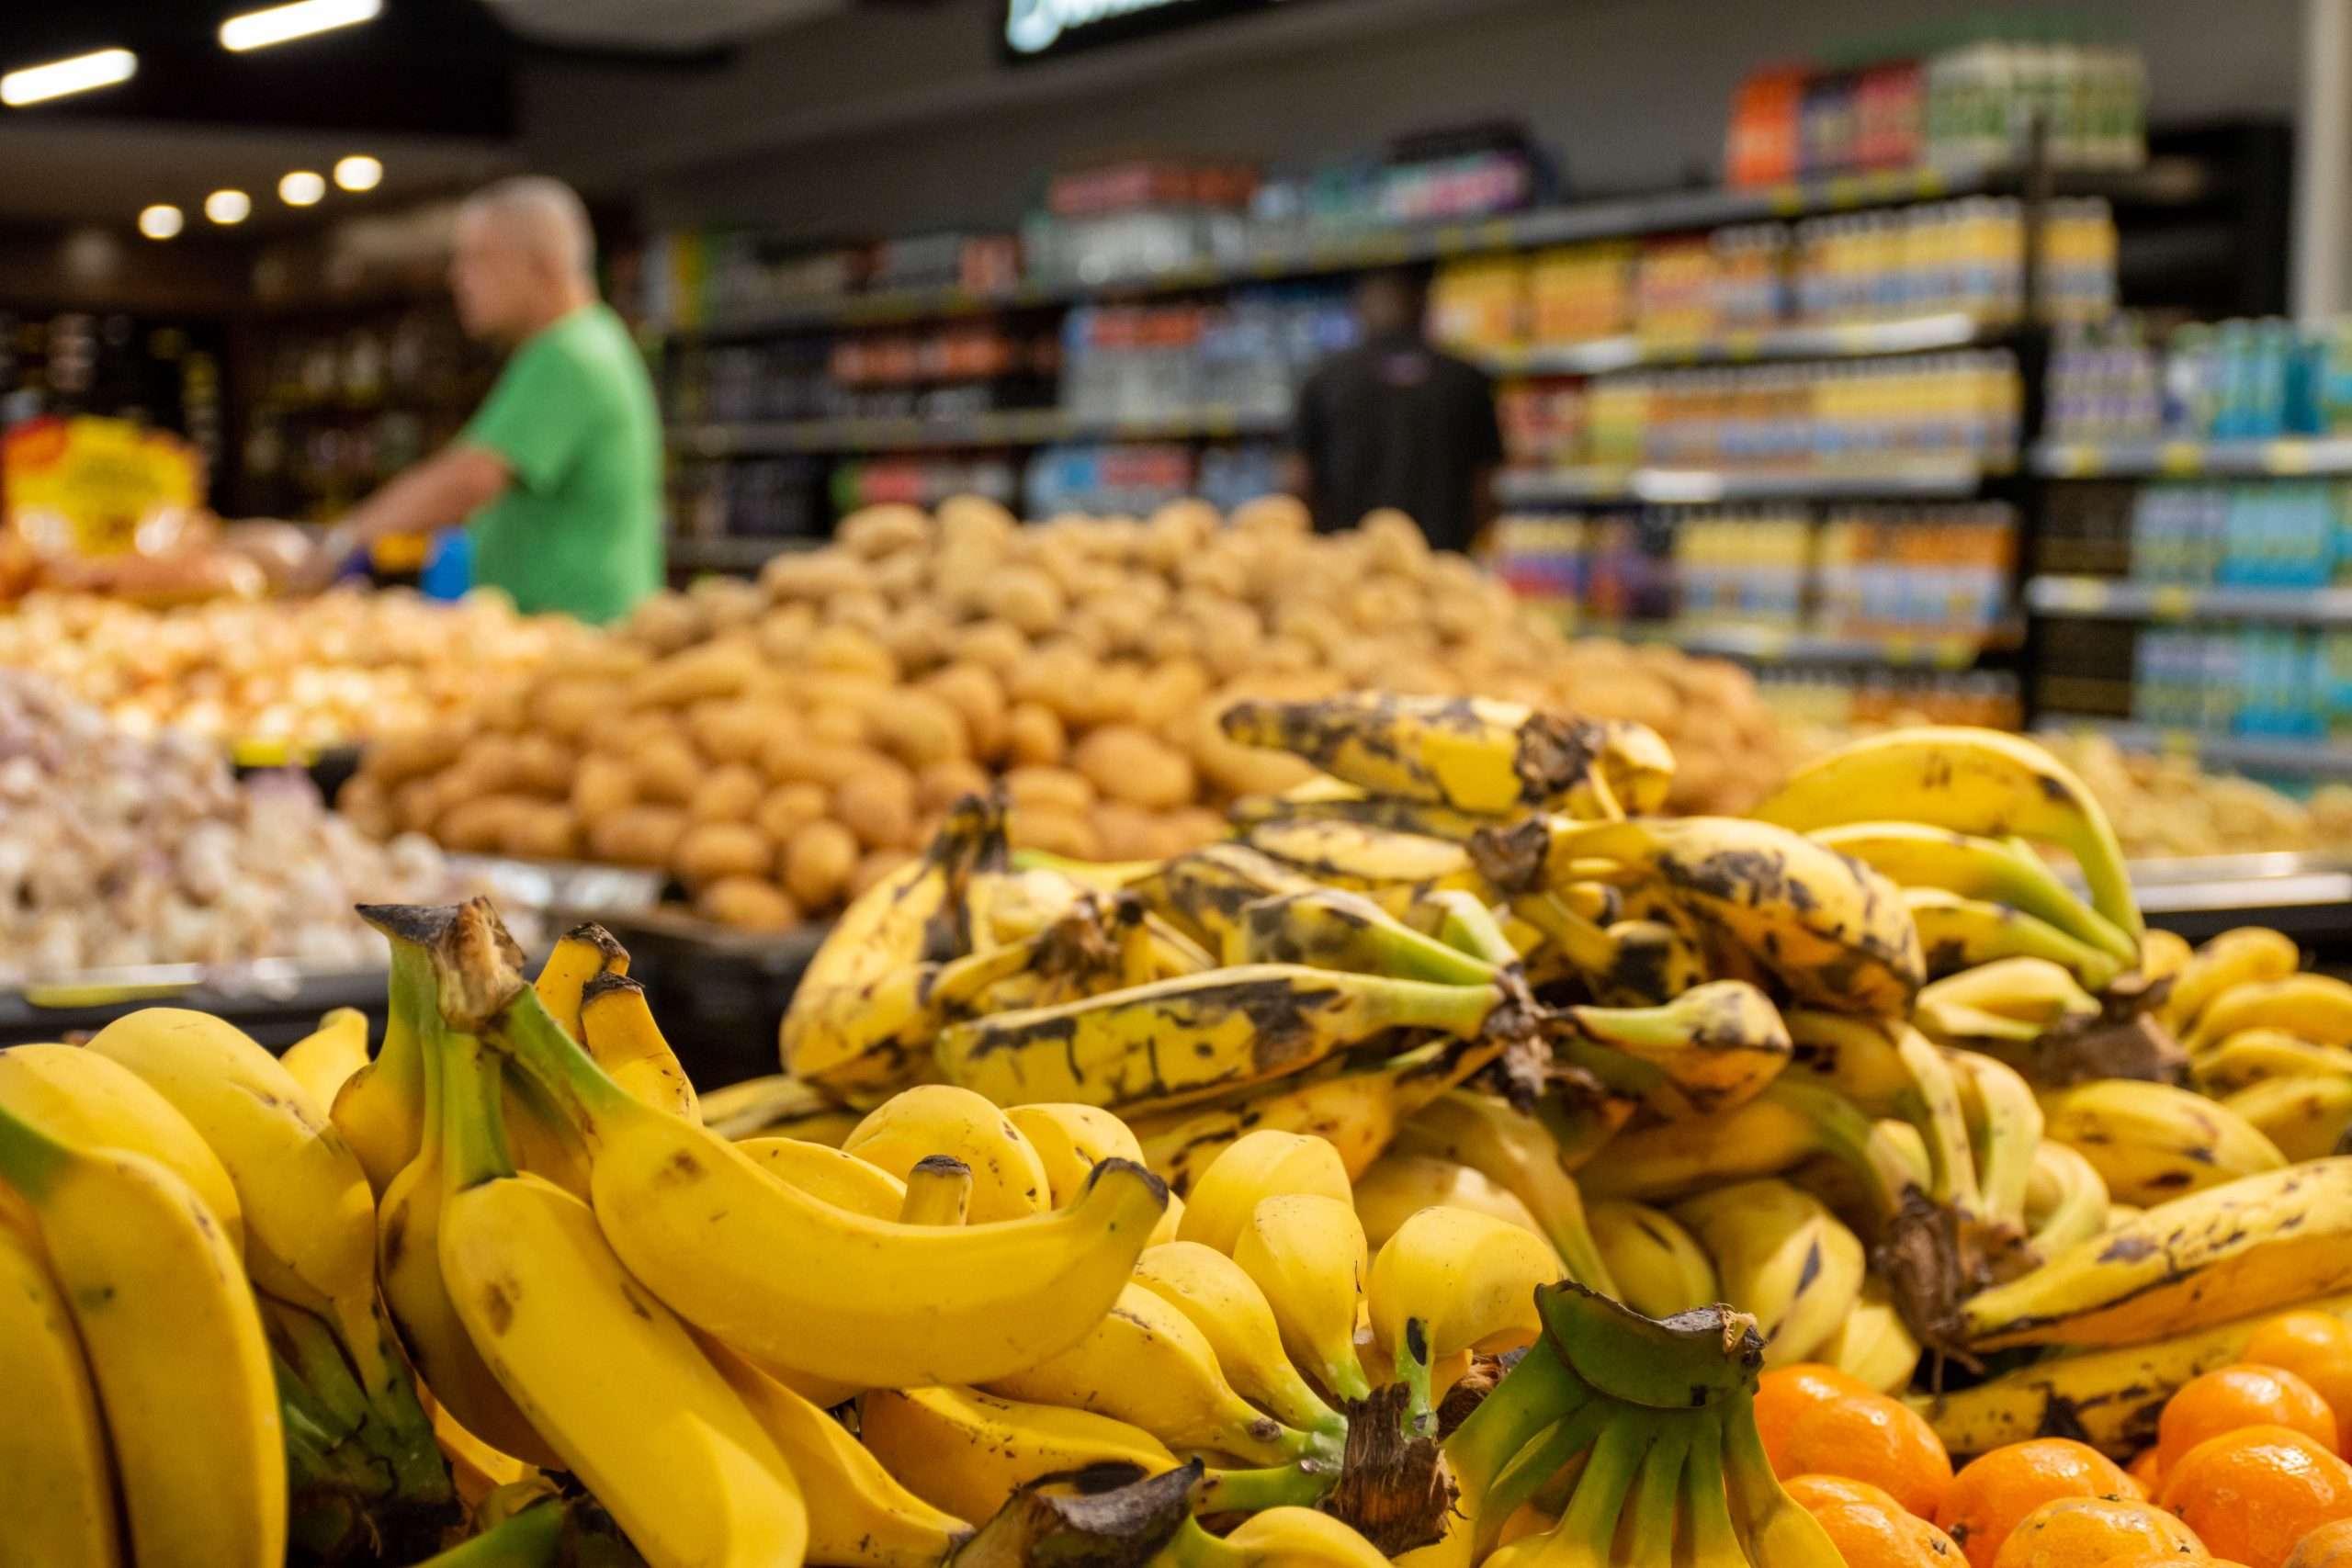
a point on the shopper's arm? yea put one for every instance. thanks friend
(440, 492)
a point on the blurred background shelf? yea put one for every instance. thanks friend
(2285, 456)
(2121, 599)
(1925, 480)
(2216, 753)
(1914, 334)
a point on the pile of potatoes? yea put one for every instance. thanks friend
(779, 746)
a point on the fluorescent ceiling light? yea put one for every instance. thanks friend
(161, 222)
(279, 24)
(303, 187)
(358, 172)
(227, 207)
(36, 84)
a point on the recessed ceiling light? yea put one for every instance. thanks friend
(303, 187)
(358, 172)
(161, 222)
(34, 83)
(227, 207)
(281, 24)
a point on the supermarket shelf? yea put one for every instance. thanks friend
(2284, 458)
(1012, 427)
(1779, 645)
(1308, 254)
(1925, 480)
(1951, 329)
(2314, 757)
(2109, 598)
(731, 555)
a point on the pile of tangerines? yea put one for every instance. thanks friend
(2246, 1471)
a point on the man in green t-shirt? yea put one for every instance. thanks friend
(559, 475)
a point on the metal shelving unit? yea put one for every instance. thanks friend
(2272, 755)
(1922, 480)
(2281, 457)
(1011, 427)
(2121, 599)
(1908, 334)
(1795, 646)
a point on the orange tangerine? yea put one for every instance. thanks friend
(1996, 1490)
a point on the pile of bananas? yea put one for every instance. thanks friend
(1861, 1065)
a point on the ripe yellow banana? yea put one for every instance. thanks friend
(2109, 1398)
(1071, 1141)
(175, 1347)
(939, 1192)
(1391, 812)
(1273, 1538)
(1636, 963)
(617, 1027)
(2244, 956)
(581, 954)
(1307, 1254)
(1873, 1342)
(56, 1478)
(1200, 893)
(2164, 955)
(408, 1268)
(794, 1283)
(769, 1107)
(1995, 871)
(1518, 1153)
(379, 1110)
(1453, 1279)
(2254, 1056)
(325, 1059)
(1394, 867)
(841, 1179)
(2152, 1142)
(309, 1216)
(966, 1452)
(1829, 928)
(858, 1513)
(577, 1343)
(1399, 1186)
(2256, 1243)
(2029, 990)
(1009, 1180)
(83, 1098)
(2305, 1118)
(1782, 1256)
(2004, 1126)
(913, 917)
(1204, 1035)
(1710, 1048)
(1267, 1163)
(2317, 1008)
(1790, 1123)
(1145, 1364)
(1660, 1268)
(1469, 753)
(1971, 781)
(1888, 1068)
(1333, 929)
(1957, 933)
(2066, 1201)
(1233, 1315)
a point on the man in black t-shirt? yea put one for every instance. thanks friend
(1395, 423)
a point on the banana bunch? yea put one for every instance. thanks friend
(2268, 1041)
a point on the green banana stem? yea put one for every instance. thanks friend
(1851, 1137)
(1193, 1547)
(1537, 1392)
(1591, 1522)
(1467, 925)
(582, 1091)
(1255, 1491)
(1537, 1464)
(2081, 920)
(1413, 1371)
(1658, 1493)
(532, 1539)
(310, 1351)
(474, 1113)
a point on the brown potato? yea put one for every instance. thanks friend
(729, 794)
(818, 863)
(668, 772)
(885, 529)
(975, 692)
(639, 835)
(478, 825)
(874, 866)
(715, 670)
(1056, 832)
(1136, 766)
(541, 829)
(487, 763)
(1034, 734)
(1169, 693)
(748, 904)
(878, 805)
(788, 808)
(627, 734)
(783, 633)
(851, 652)
(602, 785)
(370, 805)
(505, 710)
(416, 804)
(1027, 599)
(919, 728)
(839, 725)
(917, 637)
(797, 759)
(1124, 832)
(733, 729)
(993, 645)
(942, 784)
(543, 765)
(708, 851)
(397, 758)
(1049, 789)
